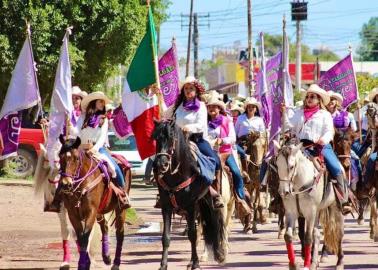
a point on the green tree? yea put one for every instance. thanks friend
(368, 50)
(365, 84)
(105, 34)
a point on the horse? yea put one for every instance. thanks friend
(305, 193)
(181, 189)
(87, 195)
(256, 149)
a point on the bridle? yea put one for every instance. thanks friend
(169, 155)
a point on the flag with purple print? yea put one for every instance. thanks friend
(169, 76)
(341, 78)
(10, 126)
(121, 124)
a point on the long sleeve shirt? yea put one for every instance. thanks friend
(319, 126)
(195, 122)
(229, 139)
(244, 126)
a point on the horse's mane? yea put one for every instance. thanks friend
(68, 145)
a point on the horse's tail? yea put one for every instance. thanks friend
(214, 230)
(333, 226)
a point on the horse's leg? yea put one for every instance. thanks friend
(301, 234)
(290, 223)
(105, 239)
(340, 227)
(374, 216)
(360, 219)
(371, 222)
(316, 242)
(192, 235)
(83, 240)
(120, 233)
(64, 229)
(281, 224)
(255, 209)
(310, 224)
(166, 238)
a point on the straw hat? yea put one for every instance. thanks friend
(373, 93)
(337, 96)
(76, 91)
(314, 88)
(216, 101)
(252, 101)
(237, 105)
(197, 84)
(209, 94)
(93, 96)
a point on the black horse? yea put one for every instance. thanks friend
(181, 188)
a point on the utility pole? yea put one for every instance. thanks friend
(250, 51)
(195, 45)
(298, 14)
(189, 39)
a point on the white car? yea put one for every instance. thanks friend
(127, 148)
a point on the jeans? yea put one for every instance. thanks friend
(263, 169)
(236, 176)
(370, 166)
(120, 179)
(332, 162)
(359, 148)
(241, 152)
(205, 148)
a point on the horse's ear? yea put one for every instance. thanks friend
(61, 139)
(76, 143)
(277, 147)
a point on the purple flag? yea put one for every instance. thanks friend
(341, 79)
(10, 126)
(169, 76)
(121, 124)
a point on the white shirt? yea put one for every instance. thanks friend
(195, 122)
(244, 126)
(319, 126)
(231, 137)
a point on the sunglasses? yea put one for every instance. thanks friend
(311, 97)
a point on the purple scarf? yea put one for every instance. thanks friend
(94, 121)
(216, 122)
(192, 105)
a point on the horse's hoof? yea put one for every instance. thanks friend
(204, 258)
(371, 235)
(324, 259)
(375, 238)
(254, 229)
(165, 267)
(280, 235)
(106, 259)
(115, 267)
(294, 266)
(340, 267)
(361, 222)
(314, 266)
(64, 266)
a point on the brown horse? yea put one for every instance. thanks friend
(87, 195)
(256, 148)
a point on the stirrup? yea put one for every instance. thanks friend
(346, 209)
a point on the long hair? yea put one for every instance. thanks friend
(91, 110)
(181, 98)
(321, 103)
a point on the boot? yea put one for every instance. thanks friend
(215, 190)
(54, 206)
(124, 198)
(158, 202)
(343, 187)
(244, 172)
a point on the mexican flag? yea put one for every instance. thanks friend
(139, 104)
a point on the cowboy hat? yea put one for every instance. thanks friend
(76, 91)
(237, 105)
(373, 93)
(216, 101)
(337, 96)
(93, 96)
(197, 84)
(252, 101)
(314, 88)
(209, 94)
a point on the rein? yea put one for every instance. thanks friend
(169, 155)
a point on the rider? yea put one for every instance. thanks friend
(222, 137)
(313, 125)
(191, 116)
(77, 98)
(92, 129)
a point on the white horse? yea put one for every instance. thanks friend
(302, 190)
(45, 179)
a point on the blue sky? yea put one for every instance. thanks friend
(331, 23)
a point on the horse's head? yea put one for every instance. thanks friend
(343, 143)
(164, 133)
(287, 164)
(257, 143)
(372, 115)
(69, 159)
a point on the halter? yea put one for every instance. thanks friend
(169, 156)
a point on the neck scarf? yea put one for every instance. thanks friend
(309, 112)
(216, 122)
(94, 120)
(192, 105)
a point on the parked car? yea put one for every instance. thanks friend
(127, 148)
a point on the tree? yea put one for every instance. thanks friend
(365, 84)
(105, 34)
(368, 50)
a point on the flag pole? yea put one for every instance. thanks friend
(68, 121)
(283, 70)
(358, 96)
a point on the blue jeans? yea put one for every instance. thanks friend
(263, 168)
(120, 179)
(332, 162)
(205, 148)
(359, 148)
(370, 166)
(241, 152)
(236, 176)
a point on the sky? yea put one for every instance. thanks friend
(331, 23)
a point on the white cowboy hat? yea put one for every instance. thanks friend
(314, 88)
(210, 94)
(215, 100)
(252, 101)
(237, 105)
(192, 80)
(337, 96)
(93, 96)
(373, 93)
(76, 91)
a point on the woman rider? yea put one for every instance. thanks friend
(313, 125)
(92, 129)
(222, 137)
(191, 116)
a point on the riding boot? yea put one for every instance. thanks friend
(343, 187)
(245, 175)
(124, 197)
(54, 206)
(215, 190)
